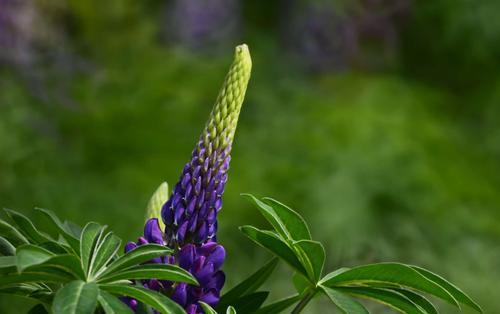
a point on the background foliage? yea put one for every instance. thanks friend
(390, 152)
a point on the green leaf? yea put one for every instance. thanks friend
(6, 248)
(65, 262)
(111, 304)
(12, 234)
(207, 308)
(388, 297)
(300, 282)
(38, 309)
(29, 255)
(390, 273)
(345, 304)
(77, 297)
(62, 229)
(312, 256)
(38, 276)
(8, 263)
(157, 300)
(279, 306)
(105, 251)
(73, 229)
(159, 197)
(285, 221)
(276, 245)
(88, 240)
(140, 254)
(293, 221)
(249, 285)
(230, 310)
(418, 300)
(152, 271)
(251, 302)
(27, 228)
(458, 294)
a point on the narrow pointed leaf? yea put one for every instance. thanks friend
(88, 240)
(29, 255)
(77, 297)
(388, 297)
(66, 262)
(279, 306)
(293, 221)
(136, 256)
(418, 300)
(111, 304)
(273, 243)
(230, 310)
(38, 276)
(152, 271)
(10, 233)
(300, 283)
(458, 294)
(6, 248)
(207, 308)
(63, 230)
(345, 303)
(251, 302)
(390, 273)
(27, 228)
(105, 251)
(312, 256)
(156, 300)
(271, 216)
(159, 197)
(251, 284)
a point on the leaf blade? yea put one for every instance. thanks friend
(77, 297)
(343, 302)
(152, 271)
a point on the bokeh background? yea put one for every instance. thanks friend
(378, 120)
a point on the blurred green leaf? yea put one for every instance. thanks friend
(63, 230)
(251, 302)
(388, 297)
(6, 248)
(27, 227)
(159, 197)
(111, 304)
(140, 254)
(29, 255)
(346, 304)
(279, 306)
(76, 297)
(157, 300)
(152, 271)
(12, 234)
(38, 276)
(38, 309)
(250, 284)
(65, 262)
(300, 283)
(275, 244)
(8, 261)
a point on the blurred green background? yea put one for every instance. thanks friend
(378, 120)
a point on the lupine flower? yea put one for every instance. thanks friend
(190, 214)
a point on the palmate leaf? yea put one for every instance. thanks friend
(136, 256)
(104, 252)
(344, 303)
(152, 298)
(151, 271)
(275, 244)
(249, 285)
(288, 223)
(279, 306)
(27, 227)
(77, 297)
(112, 305)
(88, 241)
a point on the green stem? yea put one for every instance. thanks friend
(302, 304)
